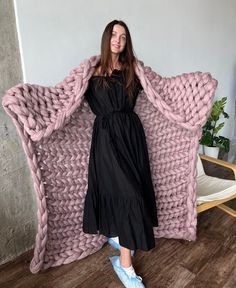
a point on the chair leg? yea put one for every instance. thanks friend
(227, 209)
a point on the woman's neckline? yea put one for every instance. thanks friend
(107, 75)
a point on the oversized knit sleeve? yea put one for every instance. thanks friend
(185, 99)
(41, 110)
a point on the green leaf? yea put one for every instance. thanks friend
(223, 143)
(211, 127)
(206, 139)
(217, 129)
(226, 115)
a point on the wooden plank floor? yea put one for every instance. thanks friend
(209, 262)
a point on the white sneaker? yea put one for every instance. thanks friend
(129, 281)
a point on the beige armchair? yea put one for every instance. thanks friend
(214, 191)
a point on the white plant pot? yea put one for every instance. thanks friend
(201, 149)
(211, 151)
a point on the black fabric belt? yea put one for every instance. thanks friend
(105, 117)
(108, 125)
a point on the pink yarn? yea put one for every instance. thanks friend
(55, 126)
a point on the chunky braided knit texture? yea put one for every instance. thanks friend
(55, 126)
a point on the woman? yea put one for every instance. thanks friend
(120, 201)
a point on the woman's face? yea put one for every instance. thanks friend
(118, 39)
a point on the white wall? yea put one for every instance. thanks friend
(170, 36)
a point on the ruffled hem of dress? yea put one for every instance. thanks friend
(128, 219)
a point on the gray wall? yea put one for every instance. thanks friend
(55, 36)
(17, 204)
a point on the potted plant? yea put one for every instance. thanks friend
(209, 139)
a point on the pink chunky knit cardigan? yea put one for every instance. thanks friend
(55, 126)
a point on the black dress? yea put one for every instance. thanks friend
(120, 199)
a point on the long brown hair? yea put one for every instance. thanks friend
(126, 57)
